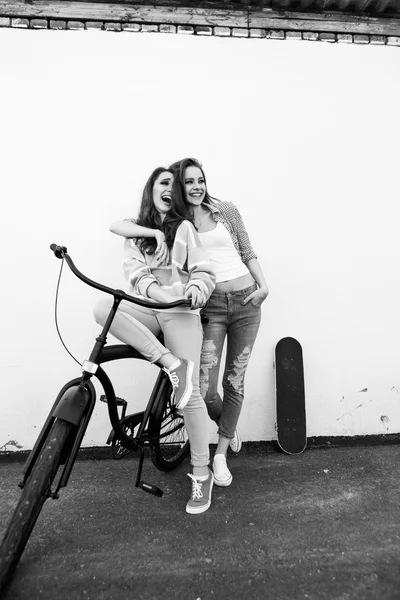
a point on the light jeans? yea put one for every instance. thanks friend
(227, 318)
(183, 336)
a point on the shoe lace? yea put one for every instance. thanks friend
(173, 377)
(196, 487)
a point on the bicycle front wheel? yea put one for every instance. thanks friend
(170, 443)
(34, 494)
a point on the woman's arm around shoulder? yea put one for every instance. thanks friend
(128, 228)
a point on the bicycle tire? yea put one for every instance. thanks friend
(170, 443)
(129, 424)
(34, 494)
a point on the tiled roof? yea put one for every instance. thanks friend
(367, 7)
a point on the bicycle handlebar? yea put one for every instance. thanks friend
(61, 252)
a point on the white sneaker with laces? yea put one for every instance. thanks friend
(236, 443)
(222, 475)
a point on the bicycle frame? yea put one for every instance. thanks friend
(76, 400)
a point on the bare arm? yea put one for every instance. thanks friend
(257, 297)
(129, 229)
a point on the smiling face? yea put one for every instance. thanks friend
(162, 193)
(195, 186)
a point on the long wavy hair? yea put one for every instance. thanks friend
(178, 168)
(150, 217)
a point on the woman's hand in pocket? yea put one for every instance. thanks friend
(257, 297)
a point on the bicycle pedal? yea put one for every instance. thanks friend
(150, 489)
(120, 401)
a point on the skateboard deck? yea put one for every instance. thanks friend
(290, 398)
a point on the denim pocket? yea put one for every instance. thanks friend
(247, 291)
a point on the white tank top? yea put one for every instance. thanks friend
(225, 259)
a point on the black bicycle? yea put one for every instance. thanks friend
(160, 427)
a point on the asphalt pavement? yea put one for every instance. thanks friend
(321, 525)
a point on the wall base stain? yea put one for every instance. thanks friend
(10, 443)
(313, 443)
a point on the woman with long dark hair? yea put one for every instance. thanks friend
(185, 273)
(234, 308)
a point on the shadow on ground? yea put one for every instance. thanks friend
(322, 525)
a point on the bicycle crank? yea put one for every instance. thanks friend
(146, 487)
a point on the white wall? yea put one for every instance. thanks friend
(303, 137)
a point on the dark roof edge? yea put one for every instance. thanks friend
(371, 8)
(166, 14)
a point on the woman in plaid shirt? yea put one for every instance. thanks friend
(233, 310)
(185, 272)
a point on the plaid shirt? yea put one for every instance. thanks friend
(187, 265)
(227, 214)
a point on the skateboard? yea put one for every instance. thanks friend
(290, 398)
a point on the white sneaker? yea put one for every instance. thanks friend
(222, 475)
(236, 443)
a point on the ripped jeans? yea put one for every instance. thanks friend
(227, 318)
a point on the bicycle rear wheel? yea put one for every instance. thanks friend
(170, 444)
(34, 494)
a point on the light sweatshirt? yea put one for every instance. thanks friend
(187, 265)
